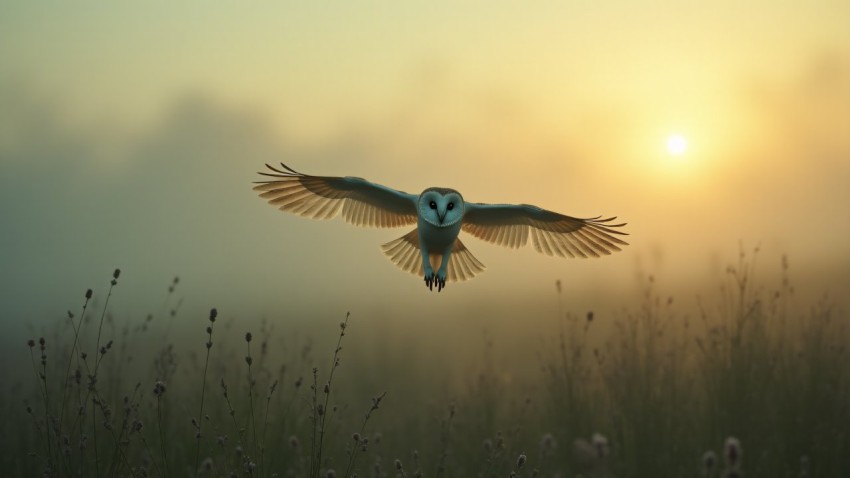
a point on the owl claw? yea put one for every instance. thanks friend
(432, 280)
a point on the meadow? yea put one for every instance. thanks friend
(745, 385)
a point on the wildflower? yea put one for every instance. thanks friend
(601, 444)
(709, 459)
(248, 337)
(520, 461)
(732, 452)
(159, 388)
(213, 314)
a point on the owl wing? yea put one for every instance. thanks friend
(510, 225)
(322, 197)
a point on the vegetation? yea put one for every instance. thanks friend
(746, 387)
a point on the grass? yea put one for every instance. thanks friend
(745, 386)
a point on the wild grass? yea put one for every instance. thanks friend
(746, 386)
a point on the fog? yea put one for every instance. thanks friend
(129, 147)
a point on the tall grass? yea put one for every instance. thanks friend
(745, 385)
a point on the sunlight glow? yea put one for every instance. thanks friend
(677, 144)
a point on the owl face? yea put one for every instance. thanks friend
(441, 207)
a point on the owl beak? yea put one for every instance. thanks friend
(441, 217)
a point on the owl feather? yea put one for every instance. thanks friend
(433, 249)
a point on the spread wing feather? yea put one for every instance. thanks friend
(404, 252)
(323, 197)
(552, 233)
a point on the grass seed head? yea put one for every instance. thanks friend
(520, 461)
(732, 452)
(159, 388)
(600, 443)
(709, 460)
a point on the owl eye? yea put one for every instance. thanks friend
(433, 205)
(450, 206)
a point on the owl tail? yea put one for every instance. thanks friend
(404, 252)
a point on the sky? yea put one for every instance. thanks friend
(130, 135)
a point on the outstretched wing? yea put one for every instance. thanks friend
(552, 233)
(322, 197)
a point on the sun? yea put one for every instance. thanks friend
(676, 144)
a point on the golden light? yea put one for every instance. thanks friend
(677, 144)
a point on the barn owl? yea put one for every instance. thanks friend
(433, 250)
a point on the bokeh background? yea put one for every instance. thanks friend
(130, 135)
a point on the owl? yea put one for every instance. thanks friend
(432, 249)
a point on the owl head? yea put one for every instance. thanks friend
(441, 207)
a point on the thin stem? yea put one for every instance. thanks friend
(361, 442)
(161, 435)
(265, 425)
(232, 413)
(213, 314)
(249, 360)
(327, 389)
(94, 434)
(42, 387)
(73, 354)
(98, 355)
(314, 472)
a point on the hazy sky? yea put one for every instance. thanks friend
(129, 136)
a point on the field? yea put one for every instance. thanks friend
(747, 384)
